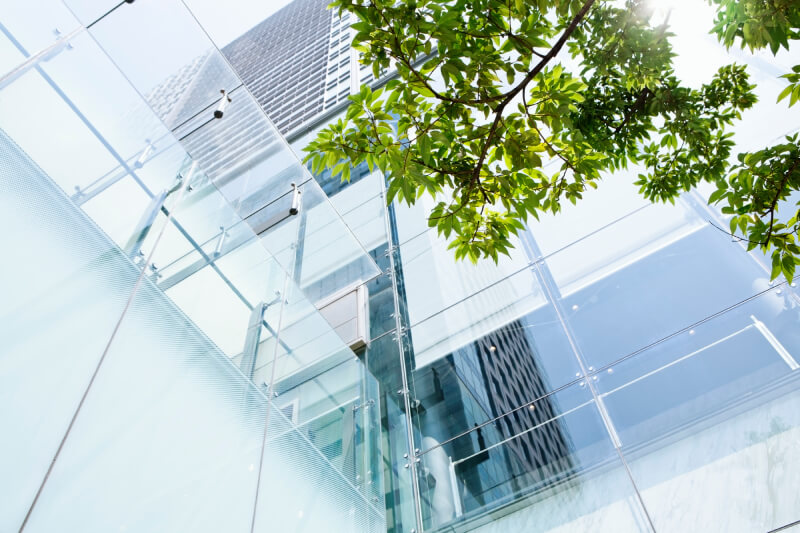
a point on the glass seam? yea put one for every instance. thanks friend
(606, 418)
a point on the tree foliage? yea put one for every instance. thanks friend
(503, 109)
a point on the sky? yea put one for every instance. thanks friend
(226, 20)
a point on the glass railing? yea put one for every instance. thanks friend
(690, 415)
(648, 333)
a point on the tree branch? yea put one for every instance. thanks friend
(777, 196)
(531, 74)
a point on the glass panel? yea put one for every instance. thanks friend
(310, 495)
(434, 280)
(50, 132)
(546, 448)
(485, 311)
(179, 71)
(496, 374)
(335, 186)
(712, 410)
(306, 346)
(88, 11)
(335, 411)
(169, 412)
(107, 100)
(658, 271)
(373, 474)
(329, 258)
(244, 155)
(10, 56)
(161, 356)
(596, 500)
(169, 425)
(210, 303)
(34, 26)
(118, 209)
(383, 359)
(615, 198)
(332, 258)
(381, 296)
(241, 152)
(623, 243)
(63, 292)
(363, 207)
(412, 221)
(367, 221)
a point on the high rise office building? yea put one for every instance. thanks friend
(298, 62)
(228, 343)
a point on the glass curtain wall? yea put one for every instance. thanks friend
(141, 301)
(629, 368)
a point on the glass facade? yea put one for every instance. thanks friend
(162, 368)
(627, 368)
(177, 316)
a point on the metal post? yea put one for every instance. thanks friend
(145, 224)
(248, 363)
(48, 53)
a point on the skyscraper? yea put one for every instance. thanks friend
(297, 63)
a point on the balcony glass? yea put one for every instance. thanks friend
(548, 452)
(647, 283)
(433, 281)
(707, 412)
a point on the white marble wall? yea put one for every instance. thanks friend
(741, 475)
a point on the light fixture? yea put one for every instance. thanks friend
(223, 103)
(295, 208)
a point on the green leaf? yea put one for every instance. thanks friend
(785, 92)
(788, 264)
(777, 267)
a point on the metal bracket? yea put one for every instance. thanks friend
(145, 224)
(365, 405)
(248, 362)
(223, 103)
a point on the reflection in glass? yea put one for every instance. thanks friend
(563, 447)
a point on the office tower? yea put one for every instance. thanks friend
(519, 397)
(181, 329)
(297, 63)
